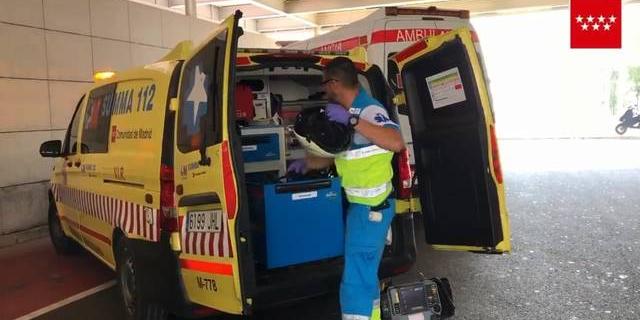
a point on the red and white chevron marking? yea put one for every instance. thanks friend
(215, 244)
(131, 218)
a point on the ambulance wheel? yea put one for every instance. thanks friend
(136, 305)
(621, 129)
(62, 244)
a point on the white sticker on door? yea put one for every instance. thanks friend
(304, 195)
(446, 88)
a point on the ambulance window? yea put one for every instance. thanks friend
(71, 139)
(97, 118)
(393, 74)
(201, 97)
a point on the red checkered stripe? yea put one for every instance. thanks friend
(214, 244)
(131, 218)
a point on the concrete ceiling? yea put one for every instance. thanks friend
(285, 15)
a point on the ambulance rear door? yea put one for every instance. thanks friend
(205, 187)
(452, 125)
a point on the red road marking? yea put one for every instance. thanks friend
(33, 276)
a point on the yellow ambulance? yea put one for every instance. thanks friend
(152, 176)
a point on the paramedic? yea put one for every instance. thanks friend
(366, 172)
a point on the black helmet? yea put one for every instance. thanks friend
(321, 136)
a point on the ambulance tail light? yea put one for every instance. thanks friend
(168, 215)
(404, 174)
(495, 155)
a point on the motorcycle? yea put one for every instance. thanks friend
(630, 119)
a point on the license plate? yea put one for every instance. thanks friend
(204, 221)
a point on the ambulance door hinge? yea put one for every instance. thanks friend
(173, 104)
(399, 100)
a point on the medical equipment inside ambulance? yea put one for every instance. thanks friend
(319, 136)
(295, 219)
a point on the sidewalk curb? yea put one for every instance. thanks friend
(11, 239)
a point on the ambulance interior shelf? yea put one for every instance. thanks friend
(287, 96)
(281, 93)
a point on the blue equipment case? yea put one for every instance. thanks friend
(265, 147)
(303, 222)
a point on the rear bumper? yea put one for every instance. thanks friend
(290, 287)
(409, 205)
(401, 255)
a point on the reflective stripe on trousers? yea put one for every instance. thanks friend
(376, 314)
(354, 317)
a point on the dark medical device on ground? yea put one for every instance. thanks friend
(427, 299)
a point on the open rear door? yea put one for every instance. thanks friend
(457, 162)
(205, 186)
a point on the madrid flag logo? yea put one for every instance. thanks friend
(596, 23)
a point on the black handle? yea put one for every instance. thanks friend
(199, 199)
(303, 186)
(206, 137)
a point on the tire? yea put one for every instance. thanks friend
(621, 129)
(62, 244)
(136, 305)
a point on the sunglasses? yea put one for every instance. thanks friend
(328, 80)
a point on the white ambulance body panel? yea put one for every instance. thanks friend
(384, 33)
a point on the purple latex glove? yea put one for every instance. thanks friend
(298, 166)
(337, 113)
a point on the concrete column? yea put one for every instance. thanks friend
(191, 8)
(215, 14)
(249, 25)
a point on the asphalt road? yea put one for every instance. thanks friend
(575, 223)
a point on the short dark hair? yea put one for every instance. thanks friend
(343, 70)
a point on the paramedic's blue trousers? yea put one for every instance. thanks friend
(364, 243)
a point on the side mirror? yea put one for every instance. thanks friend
(51, 149)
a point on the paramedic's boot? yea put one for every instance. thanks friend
(376, 314)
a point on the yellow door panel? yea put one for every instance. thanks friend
(457, 162)
(122, 135)
(205, 185)
(211, 281)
